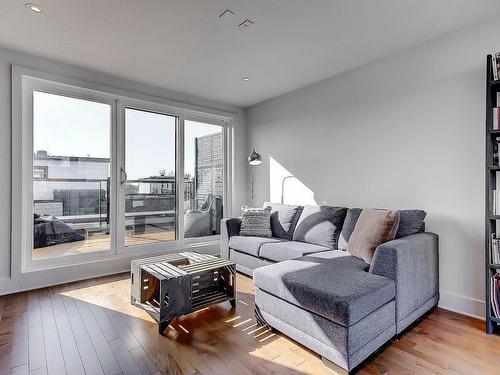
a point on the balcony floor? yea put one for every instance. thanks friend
(100, 242)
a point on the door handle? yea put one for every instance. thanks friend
(123, 176)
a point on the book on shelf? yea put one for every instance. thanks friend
(496, 118)
(494, 294)
(495, 63)
(495, 153)
(495, 249)
(495, 210)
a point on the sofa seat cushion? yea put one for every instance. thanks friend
(250, 245)
(344, 341)
(280, 251)
(332, 284)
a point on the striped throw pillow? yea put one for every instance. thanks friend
(256, 222)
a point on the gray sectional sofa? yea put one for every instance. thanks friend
(311, 289)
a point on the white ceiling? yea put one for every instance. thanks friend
(182, 45)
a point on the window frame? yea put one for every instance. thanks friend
(24, 82)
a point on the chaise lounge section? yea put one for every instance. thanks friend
(332, 302)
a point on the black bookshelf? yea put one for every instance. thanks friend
(492, 89)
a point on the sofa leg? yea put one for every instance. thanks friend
(334, 367)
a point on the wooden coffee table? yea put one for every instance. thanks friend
(173, 285)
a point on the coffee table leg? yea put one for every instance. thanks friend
(233, 303)
(162, 326)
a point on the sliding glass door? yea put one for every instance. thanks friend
(157, 206)
(149, 178)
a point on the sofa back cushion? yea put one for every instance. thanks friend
(373, 228)
(320, 225)
(351, 218)
(284, 219)
(256, 222)
(410, 222)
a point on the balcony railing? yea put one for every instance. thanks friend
(83, 202)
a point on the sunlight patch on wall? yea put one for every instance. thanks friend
(284, 187)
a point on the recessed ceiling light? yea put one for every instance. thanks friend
(34, 7)
(246, 78)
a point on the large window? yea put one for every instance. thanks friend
(104, 175)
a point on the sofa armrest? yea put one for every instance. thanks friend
(413, 263)
(228, 227)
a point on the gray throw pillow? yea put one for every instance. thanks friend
(256, 222)
(320, 225)
(284, 219)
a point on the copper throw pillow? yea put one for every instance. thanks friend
(373, 228)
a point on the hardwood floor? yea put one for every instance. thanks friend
(89, 327)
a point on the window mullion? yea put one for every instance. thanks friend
(118, 211)
(179, 157)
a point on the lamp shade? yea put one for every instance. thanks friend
(254, 158)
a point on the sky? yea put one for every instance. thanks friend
(73, 127)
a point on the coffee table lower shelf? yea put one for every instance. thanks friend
(173, 285)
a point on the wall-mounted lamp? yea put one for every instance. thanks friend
(254, 158)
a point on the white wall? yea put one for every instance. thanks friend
(403, 132)
(15, 282)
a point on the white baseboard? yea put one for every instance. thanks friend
(461, 304)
